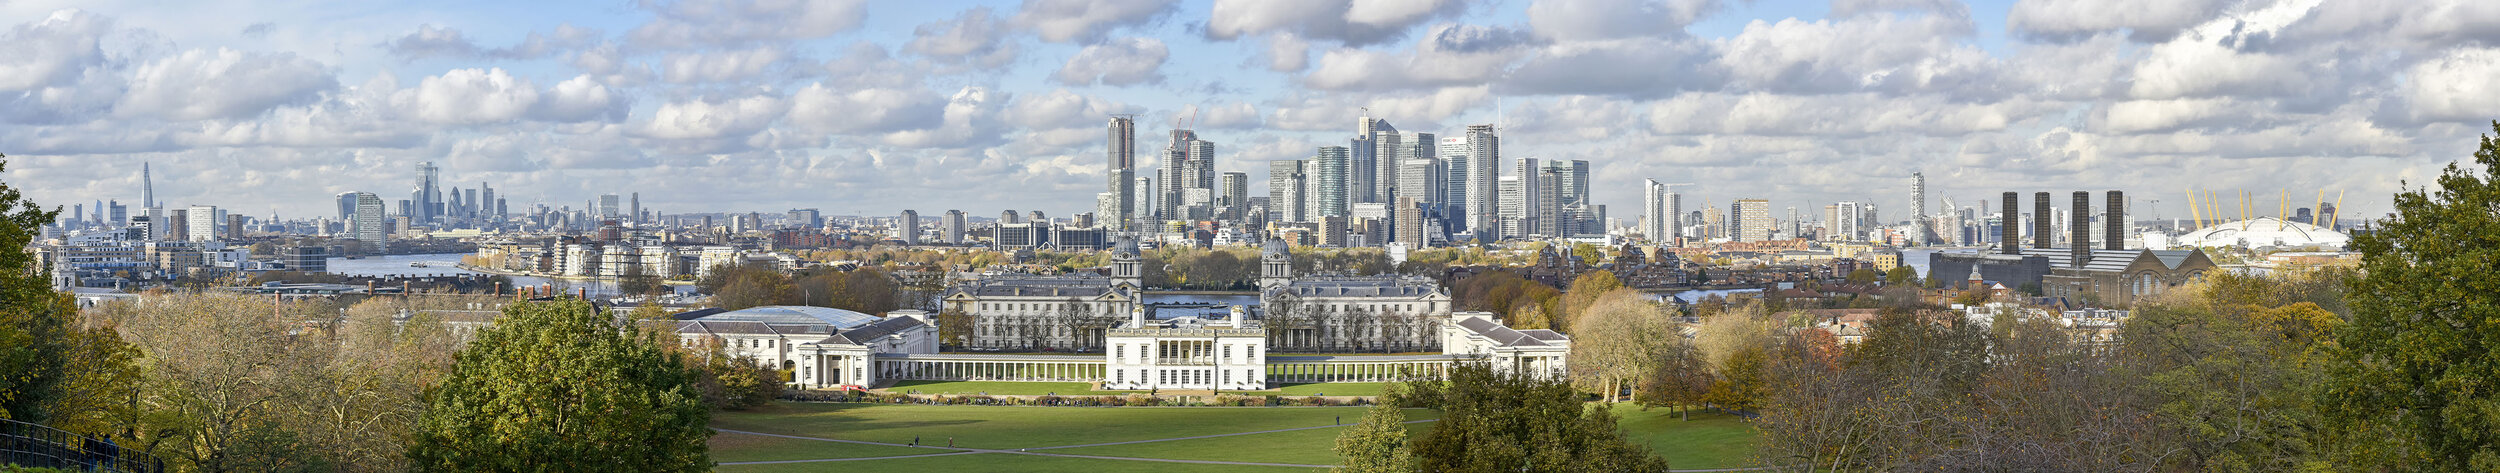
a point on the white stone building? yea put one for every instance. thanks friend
(822, 346)
(1537, 352)
(1186, 353)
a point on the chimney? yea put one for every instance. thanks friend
(2080, 249)
(2040, 215)
(2115, 225)
(2011, 237)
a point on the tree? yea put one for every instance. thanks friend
(1901, 276)
(34, 319)
(1584, 292)
(2413, 381)
(555, 386)
(1679, 378)
(1620, 339)
(1503, 421)
(1378, 443)
(954, 327)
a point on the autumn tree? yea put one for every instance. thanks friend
(1902, 275)
(1584, 292)
(2414, 381)
(34, 319)
(1621, 338)
(1505, 421)
(1377, 444)
(556, 386)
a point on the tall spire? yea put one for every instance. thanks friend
(147, 187)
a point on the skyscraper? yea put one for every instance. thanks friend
(634, 215)
(907, 228)
(367, 225)
(428, 201)
(1179, 170)
(488, 207)
(1918, 209)
(1453, 155)
(1122, 172)
(1662, 216)
(1523, 204)
(1331, 183)
(202, 223)
(347, 205)
(1236, 196)
(1484, 157)
(1420, 175)
(1287, 185)
(1752, 222)
(1363, 161)
(954, 227)
(608, 206)
(147, 187)
(1842, 223)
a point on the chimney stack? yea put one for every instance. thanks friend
(2115, 225)
(2040, 215)
(2008, 221)
(2079, 250)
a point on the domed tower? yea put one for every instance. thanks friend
(1126, 266)
(1275, 264)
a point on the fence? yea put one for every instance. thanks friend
(34, 445)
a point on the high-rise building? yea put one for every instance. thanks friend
(1663, 215)
(907, 228)
(954, 227)
(1180, 169)
(1122, 172)
(1287, 186)
(428, 201)
(1918, 209)
(1407, 224)
(1420, 179)
(1484, 157)
(609, 206)
(1453, 155)
(489, 207)
(1377, 153)
(202, 223)
(347, 206)
(805, 218)
(367, 226)
(1842, 222)
(147, 187)
(1753, 220)
(1512, 221)
(1236, 196)
(1523, 206)
(634, 214)
(1331, 183)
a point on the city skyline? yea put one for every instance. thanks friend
(878, 108)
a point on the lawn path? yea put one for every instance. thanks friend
(963, 451)
(1214, 436)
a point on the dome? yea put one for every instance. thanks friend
(796, 315)
(2265, 232)
(1124, 246)
(1275, 249)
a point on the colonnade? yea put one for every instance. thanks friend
(1355, 372)
(991, 370)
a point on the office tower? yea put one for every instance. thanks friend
(1177, 171)
(1037, 217)
(347, 205)
(1753, 220)
(488, 206)
(1236, 196)
(1122, 172)
(1510, 217)
(1010, 218)
(1287, 185)
(1842, 223)
(635, 215)
(1419, 179)
(1658, 219)
(118, 214)
(500, 210)
(147, 187)
(1201, 163)
(1142, 200)
(177, 224)
(1484, 157)
(201, 223)
(609, 206)
(1522, 203)
(1793, 224)
(1918, 209)
(1407, 226)
(1363, 162)
(428, 201)
(954, 227)
(1331, 184)
(1378, 151)
(907, 228)
(806, 218)
(1453, 156)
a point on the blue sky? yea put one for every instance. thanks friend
(875, 107)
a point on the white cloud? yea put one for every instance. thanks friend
(687, 23)
(2462, 85)
(1129, 61)
(55, 51)
(469, 97)
(972, 37)
(1236, 115)
(2147, 20)
(580, 99)
(1353, 23)
(225, 83)
(1086, 21)
(706, 119)
(1574, 20)
(1860, 114)
(436, 41)
(1451, 55)
(1288, 53)
(720, 66)
(865, 110)
(1873, 52)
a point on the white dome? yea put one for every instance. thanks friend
(2264, 232)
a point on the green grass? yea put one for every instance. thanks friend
(1009, 463)
(1332, 389)
(1305, 447)
(1019, 427)
(1710, 440)
(736, 447)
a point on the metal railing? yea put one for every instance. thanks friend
(34, 445)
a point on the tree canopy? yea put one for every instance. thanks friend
(557, 386)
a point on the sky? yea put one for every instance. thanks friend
(859, 107)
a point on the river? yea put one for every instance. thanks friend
(447, 264)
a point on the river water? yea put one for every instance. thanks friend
(447, 264)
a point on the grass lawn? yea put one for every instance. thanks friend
(1306, 447)
(1019, 427)
(734, 447)
(1710, 440)
(1009, 463)
(1332, 389)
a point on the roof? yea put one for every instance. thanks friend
(2263, 232)
(786, 315)
(873, 332)
(1507, 338)
(1364, 286)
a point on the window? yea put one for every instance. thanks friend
(1228, 353)
(1119, 353)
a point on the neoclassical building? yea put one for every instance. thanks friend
(1187, 353)
(1050, 312)
(822, 346)
(1348, 313)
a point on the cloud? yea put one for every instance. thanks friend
(1873, 52)
(1850, 8)
(1850, 115)
(1349, 22)
(1236, 115)
(2462, 85)
(434, 41)
(2148, 21)
(1576, 20)
(469, 97)
(580, 99)
(55, 51)
(708, 118)
(202, 84)
(689, 23)
(1288, 53)
(1669, 66)
(866, 110)
(1129, 61)
(1087, 21)
(972, 37)
(1451, 55)
(720, 66)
